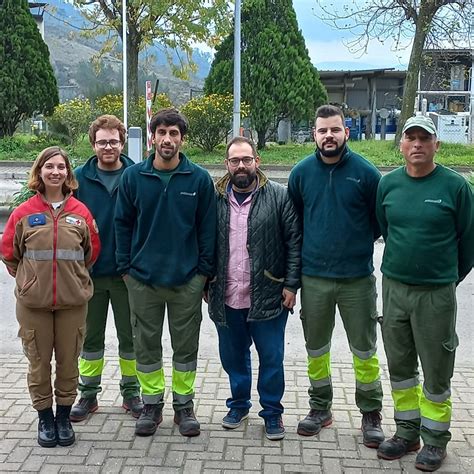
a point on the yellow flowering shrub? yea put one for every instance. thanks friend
(113, 104)
(72, 118)
(210, 119)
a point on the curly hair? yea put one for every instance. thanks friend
(108, 122)
(35, 183)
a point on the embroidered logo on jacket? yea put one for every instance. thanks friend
(434, 201)
(73, 220)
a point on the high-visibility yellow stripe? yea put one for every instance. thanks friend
(128, 368)
(437, 411)
(319, 367)
(183, 382)
(152, 382)
(91, 368)
(407, 399)
(366, 370)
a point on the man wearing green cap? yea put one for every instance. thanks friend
(425, 214)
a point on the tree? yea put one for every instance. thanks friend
(278, 79)
(27, 80)
(429, 23)
(173, 24)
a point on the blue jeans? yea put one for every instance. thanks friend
(234, 348)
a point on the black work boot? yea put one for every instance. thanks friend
(134, 405)
(150, 417)
(313, 423)
(46, 429)
(64, 430)
(188, 425)
(430, 458)
(396, 447)
(82, 408)
(372, 432)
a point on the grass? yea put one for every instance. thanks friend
(381, 153)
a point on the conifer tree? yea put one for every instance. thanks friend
(27, 82)
(278, 79)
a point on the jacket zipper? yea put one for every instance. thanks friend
(55, 245)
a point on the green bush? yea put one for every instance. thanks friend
(72, 118)
(210, 119)
(113, 104)
(10, 145)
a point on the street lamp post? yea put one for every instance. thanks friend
(124, 62)
(237, 36)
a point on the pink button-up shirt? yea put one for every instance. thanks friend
(237, 293)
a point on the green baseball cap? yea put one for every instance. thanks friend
(421, 121)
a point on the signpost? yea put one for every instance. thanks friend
(149, 97)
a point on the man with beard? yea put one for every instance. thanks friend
(98, 182)
(334, 192)
(165, 230)
(258, 275)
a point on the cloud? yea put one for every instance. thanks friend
(326, 44)
(378, 56)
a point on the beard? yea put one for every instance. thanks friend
(243, 181)
(167, 154)
(332, 153)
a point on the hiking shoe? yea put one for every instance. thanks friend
(134, 405)
(234, 418)
(46, 428)
(64, 430)
(430, 458)
(186, 420)
(82, 408)
(150, 417)
(396, 447)
(372, 432)
(274, 428)
(313, 423)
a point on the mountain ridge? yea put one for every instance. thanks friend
(71, 54)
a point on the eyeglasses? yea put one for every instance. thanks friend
(246, 160)
(112, 143)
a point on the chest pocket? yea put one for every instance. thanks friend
(71, 232)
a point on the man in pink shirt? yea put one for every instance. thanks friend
(257, 277)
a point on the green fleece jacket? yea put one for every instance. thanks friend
(427, 225)
(93, 193)
(165, 233)
(337, 206)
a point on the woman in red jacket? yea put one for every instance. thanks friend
(48, 244)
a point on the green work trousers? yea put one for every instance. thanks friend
(420, 322)
(183, 304)
(91, 362)
(356, 301)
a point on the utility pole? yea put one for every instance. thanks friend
(124, 62)
(237, 36)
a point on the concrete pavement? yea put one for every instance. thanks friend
(106, 442)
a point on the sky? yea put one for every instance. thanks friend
(326, 48)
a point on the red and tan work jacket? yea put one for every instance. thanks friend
(49, 252)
